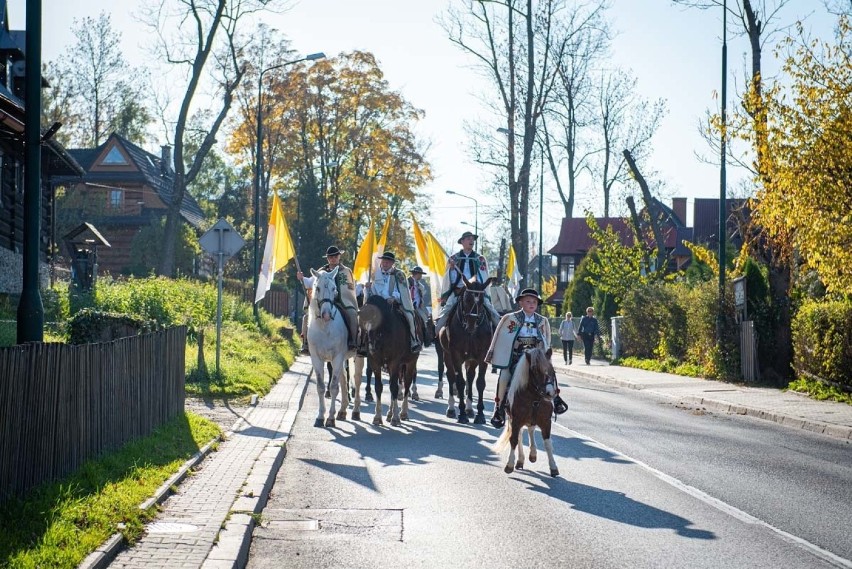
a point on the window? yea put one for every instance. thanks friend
(566, 271)
(114, 158)
(115, 199)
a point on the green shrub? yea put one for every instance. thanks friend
(822, 342)
(90, 326)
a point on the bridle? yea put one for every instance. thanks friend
(540, 387)
(320, 301)
(475, 317)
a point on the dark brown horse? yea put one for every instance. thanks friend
(388, 345)
(530, 397)
(465, 339)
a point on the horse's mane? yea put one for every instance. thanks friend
(520, 378)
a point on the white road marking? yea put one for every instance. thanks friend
(740, 515)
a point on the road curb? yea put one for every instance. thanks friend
(232, 547)
(835, 431)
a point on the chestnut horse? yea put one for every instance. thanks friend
(388, 345)
(530, 398)
(465, 339)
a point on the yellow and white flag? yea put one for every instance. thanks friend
(513, 276)
(278, 250)
(437, 268)
(421, 248)
(381, 244)
(364, 258)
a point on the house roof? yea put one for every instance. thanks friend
(149, 171)
(575, 237)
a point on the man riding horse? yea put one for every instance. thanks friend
(516, 333)
(392, 285)
(421, 297)
(472, 266)
(345, 300)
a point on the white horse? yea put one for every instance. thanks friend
(327, 338)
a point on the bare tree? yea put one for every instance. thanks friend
(201, 37)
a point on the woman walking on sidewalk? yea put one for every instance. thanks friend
(568, 335)
(589, 328)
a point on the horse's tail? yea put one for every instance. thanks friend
(501, 443)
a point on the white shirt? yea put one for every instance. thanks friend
(528, 328)
(384, 285)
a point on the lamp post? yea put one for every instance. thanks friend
(259, 160)
(475, 211)
(720, 318)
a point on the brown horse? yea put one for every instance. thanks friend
(530, 397)
(465, 339)
(388, 345)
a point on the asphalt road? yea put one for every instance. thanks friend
(642, 484)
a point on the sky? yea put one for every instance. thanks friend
(675, 53)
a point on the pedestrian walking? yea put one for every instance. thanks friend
(568, 335)
(589, 328)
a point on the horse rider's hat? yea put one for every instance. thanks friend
(332, 251)
(389, 256)
(418, 270)
(528, 292)
(467, 234)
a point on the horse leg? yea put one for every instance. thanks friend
(545, 424)
(393, 409)
(439, 393)
(368, 395)
(333, 390)
(408, 382)
(377, 375)
(356, 405)
(480, 390)
(470, 370)
(451, 398)
(414, 396)
(460, 383)
(343, 385)
(513, 446)
(328, 387)
(533, 454)
(519, 463)
(319, 371)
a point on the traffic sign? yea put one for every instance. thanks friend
(222, 238)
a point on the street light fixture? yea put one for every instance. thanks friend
(476, 209)
(259, 160)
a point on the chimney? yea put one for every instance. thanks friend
(166, 158)
(679, 207)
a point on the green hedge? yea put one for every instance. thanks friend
(822, 342)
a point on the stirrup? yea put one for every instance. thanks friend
(498, 419)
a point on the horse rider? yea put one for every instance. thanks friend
(345, 300)
(472, 265)
(517, 332)
(391, 284)
(421, 296)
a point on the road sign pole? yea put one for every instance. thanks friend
(221, 272)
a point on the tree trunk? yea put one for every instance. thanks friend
(653, 218)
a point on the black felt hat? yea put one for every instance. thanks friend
(389, 256)
(528, 292)
(332, 251)
(467, 234)
(418, 270)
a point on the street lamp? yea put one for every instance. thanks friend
(720, 318)
(540, 206)
(476, 209)
(259, 160)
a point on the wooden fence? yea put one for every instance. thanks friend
(276, 302)
(61, 405)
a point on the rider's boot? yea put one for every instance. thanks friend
(498, 419)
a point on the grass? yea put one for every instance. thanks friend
(820, 391)
(250, 362)
(58, 524)
(665, 366)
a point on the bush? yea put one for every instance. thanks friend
(89, 326)
(822, 342)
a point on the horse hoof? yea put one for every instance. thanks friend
(479, 419)
(463, 419)
(555, 472)
(329, 423)
(396, 422)
(533, 458)
(368, 398)
(415, 397)
(377, 421)
(509, 469)
(327, 394)
(341, 415)
(471, 412)
(519, 465)
(439, 394)
(403, 416)
(356, 416)
(318, 423)
(451, 413)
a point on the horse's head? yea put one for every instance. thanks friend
(472, 311)
(541, 376)
(325, 293)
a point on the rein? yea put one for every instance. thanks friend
(320, 302)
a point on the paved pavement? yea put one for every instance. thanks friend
(208, 522)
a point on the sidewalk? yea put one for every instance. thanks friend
(785, 407)
(208, 521)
